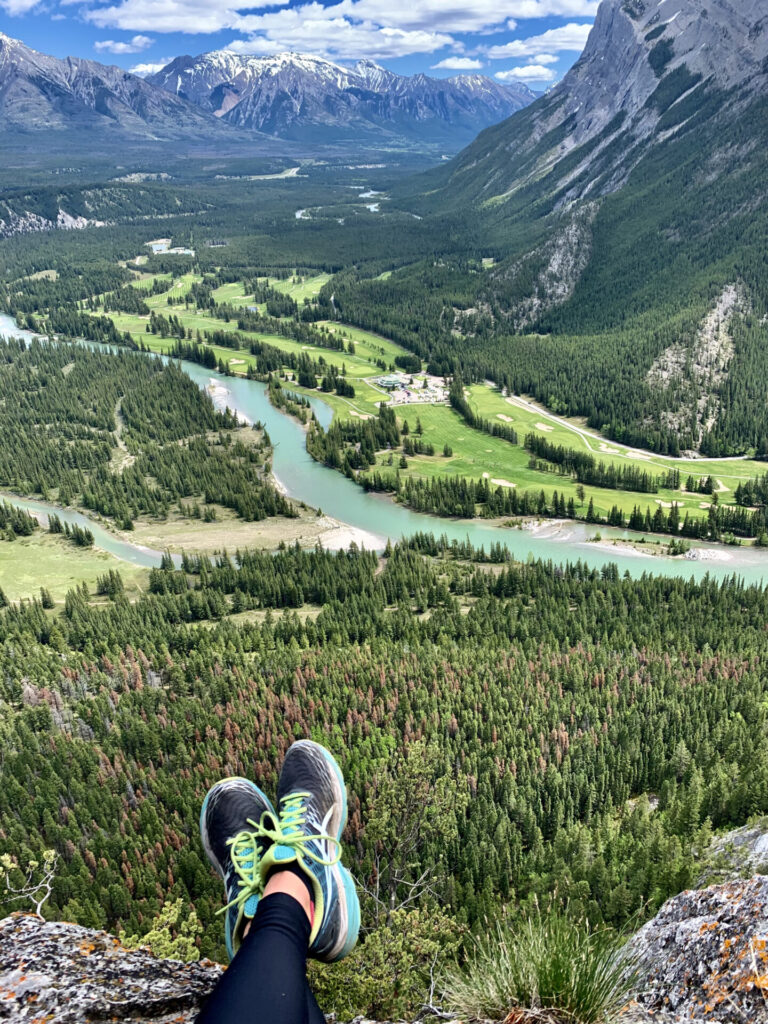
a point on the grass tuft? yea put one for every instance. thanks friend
(548, 969)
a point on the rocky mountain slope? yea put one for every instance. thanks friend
(298, 96)
(647, 71)
(42, 94)
(620, 208)
(702, 958)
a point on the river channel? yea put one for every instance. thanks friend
(380, 518)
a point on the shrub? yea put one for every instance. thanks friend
(171, 936)
(550, 968)
(389, 974)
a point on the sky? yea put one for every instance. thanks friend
(530, 41)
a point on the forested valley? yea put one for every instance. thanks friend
(513, 735)
(586, 732)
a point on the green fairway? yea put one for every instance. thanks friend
(477, 455)
(474, 453)
(364, 363)
(491, 404)
(300, 288)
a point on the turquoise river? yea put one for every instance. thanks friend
(378, 518)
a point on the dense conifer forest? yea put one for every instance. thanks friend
(123, 435)
(591, 730)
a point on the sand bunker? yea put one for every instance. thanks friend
(636, 455)
(664, 504)
(543, 426)
(705, 505)
(501, 482)
(721, 488)
(507, 419)
(608, 450)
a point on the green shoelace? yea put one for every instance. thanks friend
(286, 831)
(244, 854)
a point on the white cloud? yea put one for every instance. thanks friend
(135, 45)
(459, 64)
(530, 73)
(327, 32)
(192, 16)
(429, 15)
(465, 15)
(143, 70)
(348, 29)
(554, 40)
(545, 58)
(18, 6)
(436, 19)
(523, 9)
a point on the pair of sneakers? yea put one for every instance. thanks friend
(246, 839)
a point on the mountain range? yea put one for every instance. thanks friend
(43, 94)
(305, 98)
(227, 97)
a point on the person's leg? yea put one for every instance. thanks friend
(266, 983)
(314, 1014)
(284, 869)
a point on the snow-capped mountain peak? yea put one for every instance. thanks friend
(299, 95)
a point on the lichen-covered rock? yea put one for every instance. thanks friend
(743, 851)
(65, 974)
(705, 956)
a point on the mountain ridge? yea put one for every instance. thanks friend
(41, 93)
(663, 56)
(296, 96)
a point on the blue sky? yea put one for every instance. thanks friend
(532, 41)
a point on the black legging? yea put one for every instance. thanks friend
(266, 983)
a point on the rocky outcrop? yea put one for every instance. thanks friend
(557, 265)
(64, 974)
(704, 957)
(742, 851)
(12, 223)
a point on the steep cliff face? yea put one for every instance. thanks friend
(703, 958)
(648, 71)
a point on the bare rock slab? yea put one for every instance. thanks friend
(65, 974)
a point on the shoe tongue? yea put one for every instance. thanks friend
(283, 854)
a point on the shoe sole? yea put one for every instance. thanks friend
(349, 904)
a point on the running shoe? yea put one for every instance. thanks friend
(312, 802)
(229, 827)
